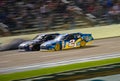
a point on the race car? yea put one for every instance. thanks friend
(66, 41)
(34, 45)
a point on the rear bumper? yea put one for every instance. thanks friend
(89, 43)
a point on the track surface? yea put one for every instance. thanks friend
(99, 47)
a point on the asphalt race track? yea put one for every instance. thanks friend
(18, 58)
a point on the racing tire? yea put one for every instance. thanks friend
(57, 47)
(36, 48)
(83, 43)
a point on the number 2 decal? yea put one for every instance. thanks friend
(72, 43)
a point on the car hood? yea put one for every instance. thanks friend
(29, 42)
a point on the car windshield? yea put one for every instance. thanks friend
(60, 37)
(38, 37)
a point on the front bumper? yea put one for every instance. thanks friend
(26, 48)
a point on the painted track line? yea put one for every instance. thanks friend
(44, 65)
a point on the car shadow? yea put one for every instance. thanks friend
(86, 47)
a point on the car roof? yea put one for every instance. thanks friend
(72, 33)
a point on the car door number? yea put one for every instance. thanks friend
(72, 43)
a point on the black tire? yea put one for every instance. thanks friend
(36, 48)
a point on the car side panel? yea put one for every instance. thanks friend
(71, 43)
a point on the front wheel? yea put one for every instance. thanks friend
(82, 43)
(57, 47)
(35, 48)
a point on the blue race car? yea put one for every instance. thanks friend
(66, 41)
(34, 45)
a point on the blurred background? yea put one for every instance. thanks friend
(31, 16)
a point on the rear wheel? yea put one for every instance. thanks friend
(57, 47)
(82, 43)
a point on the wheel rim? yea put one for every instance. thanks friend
(57, 47)
(83, 43)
